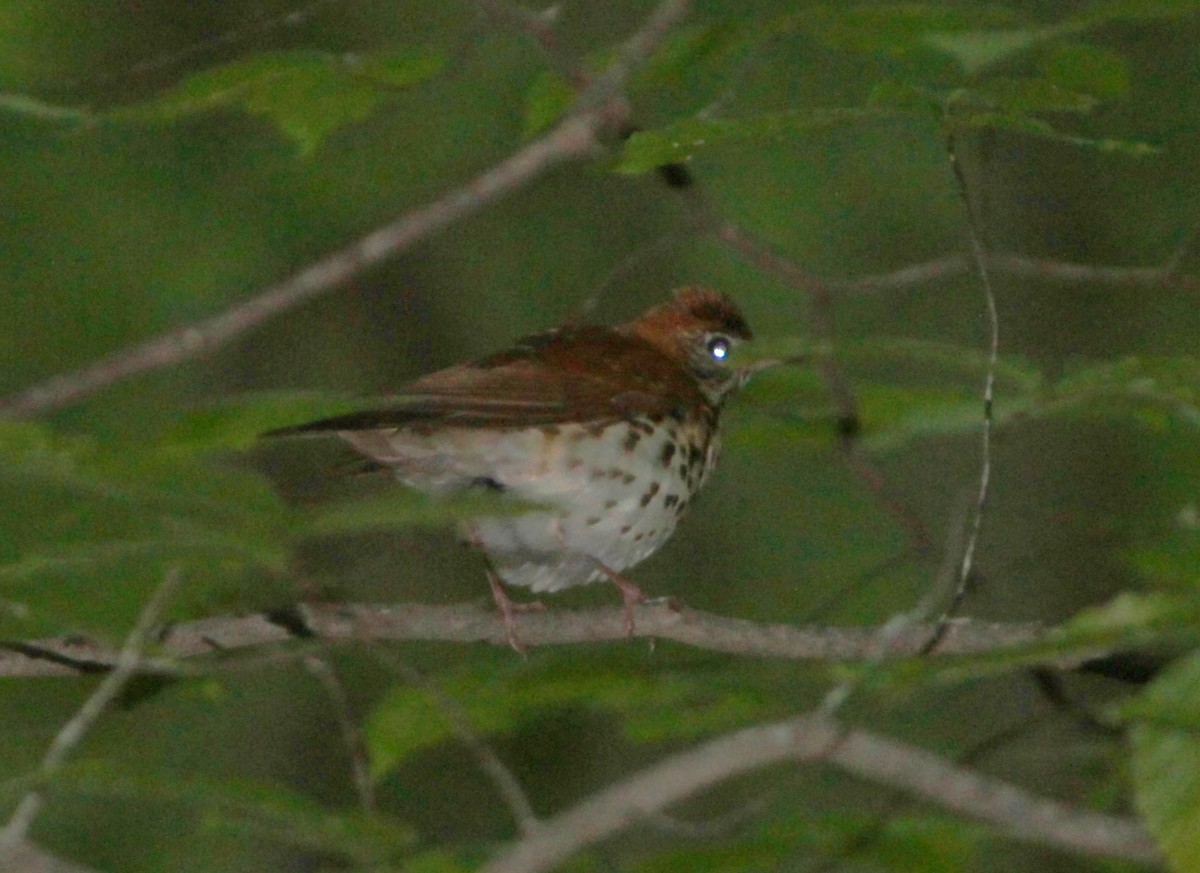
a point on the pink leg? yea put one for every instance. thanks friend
(631, 595)
(510, 608)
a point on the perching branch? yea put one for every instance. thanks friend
(467, 623)
(1022, 815)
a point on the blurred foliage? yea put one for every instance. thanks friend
(163, 161)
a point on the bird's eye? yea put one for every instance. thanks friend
(718, 348)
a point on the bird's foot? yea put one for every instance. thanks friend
(631, 596)
(509, 609)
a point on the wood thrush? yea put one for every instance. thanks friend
(611, 431)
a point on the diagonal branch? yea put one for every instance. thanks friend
(599, 107)
(1022, 815)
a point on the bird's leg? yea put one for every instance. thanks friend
(508, 607)
(631, 595)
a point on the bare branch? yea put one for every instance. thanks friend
(578, 135)
(1021, 267)
(469, 623)
(1024, 816)
(125, 665)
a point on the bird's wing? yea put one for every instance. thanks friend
(580, 374)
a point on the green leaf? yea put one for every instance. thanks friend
(1088, 69)
(255, 811)
(929, 844)
(691, 47)
(1166, 762)
(307, 95)
(237, 423)
(1023, 124)
(23, 104)
(1022, 96)
(437, 861)
(1171, 562)
(892, 28)
(679, 142)
(907, 390)
(404, 507)
(1149, 386)
(1129, 613)
(976, 50)
(1004, 104)
(499, 696)
(91, 530)
(1105, 11)
(546, 100)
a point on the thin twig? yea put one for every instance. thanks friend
(72, 733)
(1021, 267)
(983, 494)
(472, 623)
(1022, 815)
(508, 786)
(352, 735)
(598, 107)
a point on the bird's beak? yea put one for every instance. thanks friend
(745, 374)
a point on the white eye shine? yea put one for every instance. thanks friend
(718, 348)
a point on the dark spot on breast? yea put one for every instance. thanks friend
(695, 454)
(637, 538)
(594, 520)
(626, 528)
(631, 440)
(574, 463)
(670, 500)
(615, 472)
(609, 504)
(644, 426)
(628, 478)
(649, 495)
(595, 430)
(684, 468)
(668, 452)
(487, 482)
(597, 473)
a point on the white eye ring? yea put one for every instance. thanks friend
(718, 348)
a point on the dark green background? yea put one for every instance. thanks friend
(115, 231)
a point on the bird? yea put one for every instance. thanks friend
(607, 433)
